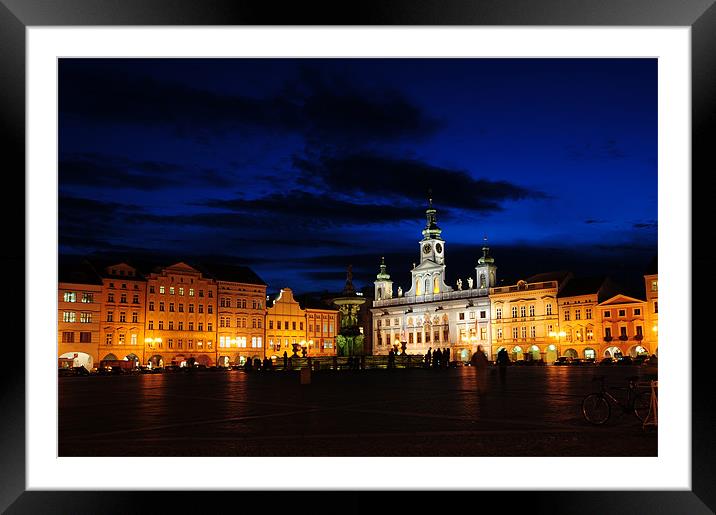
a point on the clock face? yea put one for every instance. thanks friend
(427, 248)
(438, 248)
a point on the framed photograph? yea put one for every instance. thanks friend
(479, 186)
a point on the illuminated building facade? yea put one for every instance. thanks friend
(79, 305)
(623, 327)
(241, 315)
(285, 325)
(124, 293)
(321, 331)
(651, 283)
(525, 317)
(181, 317)
(432, 314)
(579, 319)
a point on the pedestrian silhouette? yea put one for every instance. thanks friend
(480, 364)
(502, 361)
(285, 360)
(437, 357)
(428, 357)
(446, 357)
(391, 359)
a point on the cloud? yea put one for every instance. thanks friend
(302, 208)
(105, 171)
(409, 180)
(646, 225)
(322, 107)
(594, 221)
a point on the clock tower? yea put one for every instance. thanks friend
(429, 275)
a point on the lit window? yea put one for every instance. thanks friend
(121, 339)
(191, 294)
(68, 316)
(181, 291)
(171, 290)
(70, 296)
(161, 289)
(86, 318)
(133, 339)
(498, 313)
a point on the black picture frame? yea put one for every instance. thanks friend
(700, 15)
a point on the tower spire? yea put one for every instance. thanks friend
(383, 275)
(431, 231)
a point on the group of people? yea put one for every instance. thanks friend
(437, 358)
(257, 364)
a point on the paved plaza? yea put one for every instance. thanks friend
(535, 412)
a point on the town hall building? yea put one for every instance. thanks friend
(431, 314)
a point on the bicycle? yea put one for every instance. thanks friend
(596, 406)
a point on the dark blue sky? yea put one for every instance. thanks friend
(299, 167)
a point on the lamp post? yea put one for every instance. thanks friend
(559, 335)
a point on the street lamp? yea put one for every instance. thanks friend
(559, 337)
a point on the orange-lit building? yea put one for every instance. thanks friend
(623, 327)
(285, 325)
(181, 319)
(525, 317)
(580, 320)
(241, 314)
(289, 327)
(124, 292)
(651, 283)
(79, 304)
(321, 328)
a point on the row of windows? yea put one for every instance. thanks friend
(123, 316)
(180, 290)
(180, 326)
(578, 314)
(71, 296)
(121, 339)
(623, 332)
(69, 337)
(417, 337)
(240, 341)
(287, 326)
(225, 302)
(123, 298)
(180, 344)
(483, 315)
(620, 313)
(180, 307)
(326, 327)
(256, 323)
(276, 344)
(124, 286)
(71, 316)
(524, 310)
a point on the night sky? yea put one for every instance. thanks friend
(299, 167)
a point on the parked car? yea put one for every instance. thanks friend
(640, 360)
(577, 362)
(606, 362)
(563, 360)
